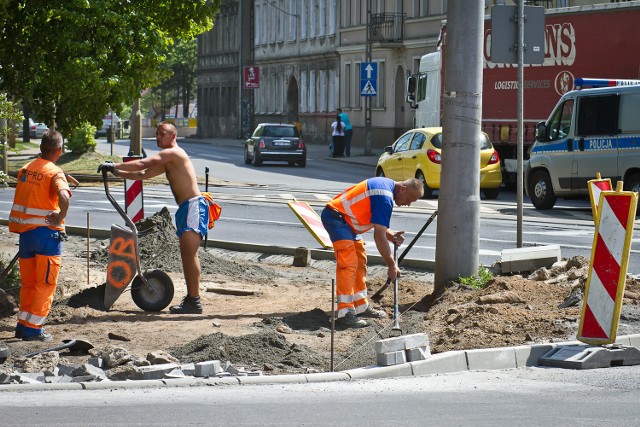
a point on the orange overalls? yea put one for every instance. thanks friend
(40, 247)
(348, 215)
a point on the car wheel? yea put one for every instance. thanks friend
(428, 192)
(491, 193)
(302, 163)
(380, 172)
(247, 159)
(632, 183)
(257, 161)
(541, 190)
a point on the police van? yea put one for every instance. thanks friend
(589, 131)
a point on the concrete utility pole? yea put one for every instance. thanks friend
(136, 129)
(457, 239)
(367, 99)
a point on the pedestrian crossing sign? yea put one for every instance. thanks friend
(368, 88)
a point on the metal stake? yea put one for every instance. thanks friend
(88, 244)
(333, 316)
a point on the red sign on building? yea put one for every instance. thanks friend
(251, 77)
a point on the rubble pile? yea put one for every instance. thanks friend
(113, 363)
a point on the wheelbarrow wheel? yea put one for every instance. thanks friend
(155, 296)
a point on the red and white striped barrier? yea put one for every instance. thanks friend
(597, 186)
(133, 200)
(608, 269)
(312, 221)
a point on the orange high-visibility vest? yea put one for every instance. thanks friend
(36, 196)
(355, 202)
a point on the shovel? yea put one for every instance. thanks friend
(74, 346)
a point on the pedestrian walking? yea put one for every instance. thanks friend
(361, 207)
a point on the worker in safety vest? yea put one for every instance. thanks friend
(366, 205)
(39, 207)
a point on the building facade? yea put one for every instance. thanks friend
(309, 55)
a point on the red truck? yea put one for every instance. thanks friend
(596, 41)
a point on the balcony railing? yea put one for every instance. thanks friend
(387, 27)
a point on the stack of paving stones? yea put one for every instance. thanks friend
(402, 349)
(114, 364)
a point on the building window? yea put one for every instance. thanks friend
(348, 86)
(357, 99)
(312, 91)
(322, 12)
(332, 18)
(378, 100)
(331, 106)
(304, 8)
(323, 88)
(313, 18)
(345, 13)
(304, 90)
(293, 20)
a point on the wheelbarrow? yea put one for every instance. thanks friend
(151, 290)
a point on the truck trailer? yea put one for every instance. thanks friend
(596, 41)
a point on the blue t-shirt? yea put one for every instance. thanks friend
(381, 200)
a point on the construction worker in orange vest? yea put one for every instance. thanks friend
(39, 207)
(366, 205)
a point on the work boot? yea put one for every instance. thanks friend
(350, 320)
(372, 313)
(189, 305)
(42, 336)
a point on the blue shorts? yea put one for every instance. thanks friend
(337, 227)
(41, 241)
(193, 215)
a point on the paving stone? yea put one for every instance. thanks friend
(208, 368)
(403, 342)
(419, 353)
(391, 358)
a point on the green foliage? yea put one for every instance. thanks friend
(82, 139)
(10, 112)
(478, 281)
(70, 60)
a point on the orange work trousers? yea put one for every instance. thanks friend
(38, 277)
(351, 276)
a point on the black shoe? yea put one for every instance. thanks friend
(42, 337)
(350, 320)
(189, 305)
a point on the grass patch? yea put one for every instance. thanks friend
(479, 280)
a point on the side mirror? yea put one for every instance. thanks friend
(388, 149)
(412, 83)
(541, 131)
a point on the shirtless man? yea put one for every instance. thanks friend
(192, 216)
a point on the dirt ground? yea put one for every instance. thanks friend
(283, 325)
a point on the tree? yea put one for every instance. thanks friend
(71, 60)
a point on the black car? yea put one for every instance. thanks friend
(275, 142)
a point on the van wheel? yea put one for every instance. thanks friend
(632, 183)
(428, 192)
(491, 193)
(541, 190)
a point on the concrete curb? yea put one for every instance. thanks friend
(441, 363)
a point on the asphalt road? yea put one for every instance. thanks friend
(515, 397)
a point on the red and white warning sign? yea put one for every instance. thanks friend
(133, 200)
(608, 269)
(312, 221)
(597, 186)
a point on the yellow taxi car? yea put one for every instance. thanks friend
(416, 154)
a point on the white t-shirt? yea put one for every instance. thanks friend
(334, 131)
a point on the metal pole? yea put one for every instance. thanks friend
(367, 99)
(136, 129)
(206, 189)
(333, 316)
(88, 244)
(520, 156)
(240, 66)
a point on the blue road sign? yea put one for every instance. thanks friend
(368, 79)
